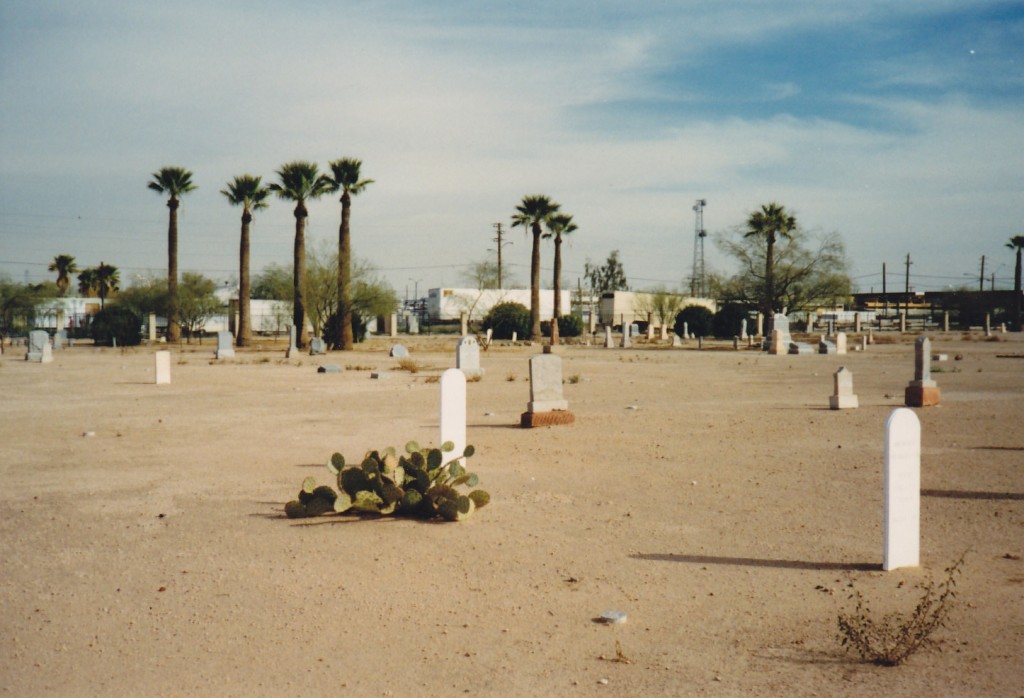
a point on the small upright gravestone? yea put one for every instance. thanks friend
(901, 519)
(922, 391)
(463, 323)
(843, 397)
(841, 343)
(398, 351)
(743, 328)
(626, 329)
(515, 336)
(152, 327)
(293, 349)
(608, 341)
(317, 346)
(467, 357)
(39, 349)
(453, 408)
(780, 337)
(225, 350)
(60, 339)
(163, 367)
(547, 406)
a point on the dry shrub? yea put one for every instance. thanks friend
(889, 641)
(408, 365)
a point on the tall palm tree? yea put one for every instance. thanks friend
(107, 281)
(64, 265)
(175, 182)
(559, 225)
(345, 176)
(534, 212)
(1017, 243)
(248, 192)
(771, 222)
(87, 282)
(300, 181)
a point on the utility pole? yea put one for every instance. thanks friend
(885, 296)
(497, 226)
(906, 296)
(981, 277)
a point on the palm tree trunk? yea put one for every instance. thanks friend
(345, 275)
(244, 338)
(299, 278)
(535, 334)
(173, 326)
(769, 286)
(557, 285)
(1017, 289)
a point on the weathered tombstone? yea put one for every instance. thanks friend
(760, 325)
(152, 327)
(634, 330)
(163, 367)
(515, 336)
(317, 346)
(825, 346)
(1002, 328)
(292, 348)
(922, 391)
(393, 325)
(398, 351)
(225, 349)
(39, 349)
(901, 522)
(463, 323)
(676, 341)
(799, 347)
(841, 343)
(856, 323)
(329, 368)
(842, 396)
(903, 321)
(778, 344)
(945, 321)
(414, 324)
(608, 341)
(490, 334)
(453, 409)
(988, 324)
(60, 339)
(626, 329)
(686, 330)
(547, 406)
(743, 328)
(467, 357)
(864, 342)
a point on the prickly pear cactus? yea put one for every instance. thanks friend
(418, 482)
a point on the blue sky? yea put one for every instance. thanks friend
(898, 125)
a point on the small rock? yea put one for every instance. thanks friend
(89, 433)
(603, 682)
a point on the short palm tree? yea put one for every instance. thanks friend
(532, 213)
(108, 280)
(771, 222)
(248, 192)
(559, 225)
(345, 176)
(175, 182)
(64, 265)
(300, 181)
(87, 282)
(1017, 243)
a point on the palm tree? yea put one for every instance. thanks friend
(558, 225)
(176, 182)
(87, 282)
(1017, 243)
(345, 176)
(300, 181)
(107, 281)
(64, 265)
(533, 212)
(771, 221)
(245, 191)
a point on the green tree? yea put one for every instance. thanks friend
(697, 320)
(87, 282)
(18, 303)
(145, 297)
(197, 302)
(1017, 243)
(507, 318)
(533, 213)
(345, 176)
(175, 182)
(64, 265)
(663, 304)
(321, 285)
(274, 282)
(559, 225)
(607, 278)
(248, 192)
(300, 181)
(107, 281)
(770, 223)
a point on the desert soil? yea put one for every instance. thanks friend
(710, 495)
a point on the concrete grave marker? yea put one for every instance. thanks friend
(547, 404)
(608, 341)
(490, 334)
(398, 351)
(626, 335)
(841, 343)
(799, 347)
(292, 347)
(39, 349)
(842, 396)
(225, 348)
(901, 523)
(330, 368)
(686, 330)
(317, 346)
(780, 337)
(676, 341)
(414, 324)
(743, 328)
(60, 339)
(463, 323)
(515, 336)
(467, 357)
(922, 391)
(453, 408)
(152, 327)
(163, 367)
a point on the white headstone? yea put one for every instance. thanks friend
(393, 325)
(686, 330)
(463, 323)
(398, 351)
(152, 327)
(608, 341)
(515, 336)
(743, 328)
(225, 349)
(453, 408)
(317, 346)
(843, 397)
(163, 367)
(292, 348)
(546, 384)
(39, 349)
(467, 357)
(841, 343)
(490, 333)
(626, 329)
(901, 524)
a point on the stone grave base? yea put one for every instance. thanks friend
(918, 396)
(528, 420)
(843, 402)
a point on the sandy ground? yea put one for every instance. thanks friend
(710, 495)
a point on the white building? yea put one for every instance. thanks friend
(449, 303)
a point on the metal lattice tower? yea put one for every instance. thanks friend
(697, 288)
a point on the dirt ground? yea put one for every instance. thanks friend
(710, 495)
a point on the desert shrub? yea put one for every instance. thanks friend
(506, 318)
(698, 319)
(890, 640)
(570, 326)
(726, 322)
(116, 322)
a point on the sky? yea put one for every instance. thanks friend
(899, 126)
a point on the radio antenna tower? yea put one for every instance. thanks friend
(697, 289)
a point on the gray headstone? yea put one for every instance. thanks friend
(398, 351)
(60, 339)
(901, 525)
(317, 346)
(453, 408)
(225, 346)
(923, 363)
(841, 343)
(626, 336)
(842, 395)
(330, 368)
(608, 341)
(546, 384)
(292, 348)
(800, 347)
(467, 357)
(414, 325)
(163, 367)
(39, 349)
